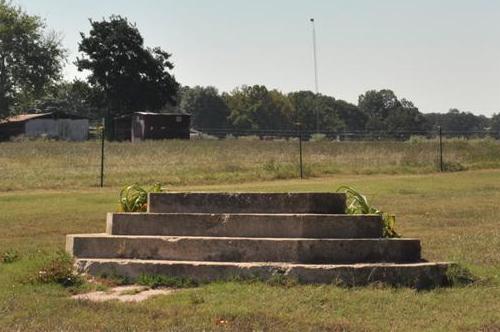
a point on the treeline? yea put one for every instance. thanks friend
(126, 76)
(258, 108)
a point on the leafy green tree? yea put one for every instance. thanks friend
(458, 122)
(387, 114)
(352, 117)
(75, 97)
(405, 118)
(130, 76)
(207, 107)
(307, 103)
(495, 125)
(257, 108)
(30, 58)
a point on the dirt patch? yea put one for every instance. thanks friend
(124, 294)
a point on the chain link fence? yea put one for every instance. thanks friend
(215, 156)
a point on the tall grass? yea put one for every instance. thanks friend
(42, 164)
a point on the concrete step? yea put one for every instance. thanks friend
(420, 275)
(233, 249)
(246, 225)
(320, 203)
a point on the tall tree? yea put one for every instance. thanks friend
(352, 117)
(257, 108)
(387, 114)
(309, 106)
(75, 97)
(207, 107)
(458, 122)
(495, 125)
(30, 58)
(130, 76)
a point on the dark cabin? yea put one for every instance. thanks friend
(141, 126)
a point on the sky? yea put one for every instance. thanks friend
(440, 54)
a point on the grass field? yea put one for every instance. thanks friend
(457, 216)
(57, 165)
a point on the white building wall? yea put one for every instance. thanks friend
(67, 129)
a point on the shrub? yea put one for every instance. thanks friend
(10, 256)
(459, 276)
(59, 270)
(453, 166)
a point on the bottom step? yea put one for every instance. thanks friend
(420, 275)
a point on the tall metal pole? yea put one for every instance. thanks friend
(102, 151)
(316, 88)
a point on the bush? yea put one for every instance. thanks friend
(59, 270)
(459, 276)
(453, 166)
(10, 256)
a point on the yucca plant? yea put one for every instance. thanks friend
(134, 198)
(357, 203)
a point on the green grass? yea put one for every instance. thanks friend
(61, 165)
(457, 216)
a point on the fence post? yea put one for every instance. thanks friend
(102, 152)
(441, 166)
(299, 134)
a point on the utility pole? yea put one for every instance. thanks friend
(316, 88)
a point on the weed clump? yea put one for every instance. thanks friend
(459, 276)
(157, 281)
(282, 280)
(9, 256)
(59, 270)
(453, 166)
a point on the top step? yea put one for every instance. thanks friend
(314, 203)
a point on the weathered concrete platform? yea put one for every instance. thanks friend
(223, 236)
(232, 249)
(246, 225)
(321, 203)
(409, 275)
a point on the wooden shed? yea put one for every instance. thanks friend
(141, 126)
(56, 125)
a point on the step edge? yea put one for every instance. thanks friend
(271, 264)
(174, 237)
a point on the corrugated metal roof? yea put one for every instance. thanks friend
(23, 117)
(153, 113)
(30, 116)
(124, 116)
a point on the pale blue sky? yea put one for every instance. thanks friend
(437, 53)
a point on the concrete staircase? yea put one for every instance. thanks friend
(223, 236)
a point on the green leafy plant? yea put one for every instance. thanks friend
(357, 203)
(134, 198)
